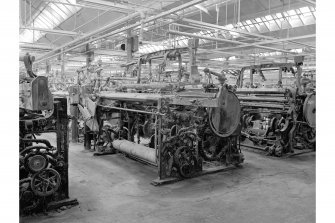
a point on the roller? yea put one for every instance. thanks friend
(137, 150)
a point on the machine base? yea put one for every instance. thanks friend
(285, 155)
(210, 170)
(103, 153)
(66, 202)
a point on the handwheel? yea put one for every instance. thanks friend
(45, 182)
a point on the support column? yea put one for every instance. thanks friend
(280, 77)
(62, 73)
(159, 140)
(180, 66)
(139, 71)
(129, 47)
(89, 59)
(194, 73)
(150, 70)
(251, 78)
(47, 67)
(74, 123)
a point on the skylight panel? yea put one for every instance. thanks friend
(264, 19)
(258, 27)
(312, 9)
(47, 21)
(38, 24)
(292, 12)
(258, 20)
(268, 17)
(44, 23)
(53, 19)
(64, 8)
(279, 15)
(305, 9)
(248, 22)
(49, 18)
(294, 17)
(230, 26)
(58, 11)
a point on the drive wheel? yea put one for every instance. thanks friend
(45, 182)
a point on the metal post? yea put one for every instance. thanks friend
(62, 74)
(280, 76)
(74, 123)
(298, 77)
(251, 78)
(139, 71)
(179, 67)
(241, 78)
(47, 67)
(129, 47)
(150, 70)
(159, 160)
(194, 73)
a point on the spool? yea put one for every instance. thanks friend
(137, 150)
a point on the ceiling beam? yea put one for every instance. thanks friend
(35, 46)
(52, 31)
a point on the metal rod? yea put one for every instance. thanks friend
(132, 110)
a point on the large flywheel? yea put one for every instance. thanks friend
(309, 110)
(225, 120)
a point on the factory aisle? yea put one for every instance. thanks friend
(116, 189)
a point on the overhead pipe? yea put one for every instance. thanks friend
(225, 41)
(125, 19)
(52, 31)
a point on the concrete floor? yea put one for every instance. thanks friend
(116, 189)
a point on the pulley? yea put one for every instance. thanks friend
(309, 110)
(37, 163)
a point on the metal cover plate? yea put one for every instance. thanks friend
(224, 120)
(309, 110)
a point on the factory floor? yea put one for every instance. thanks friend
(114, 189)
